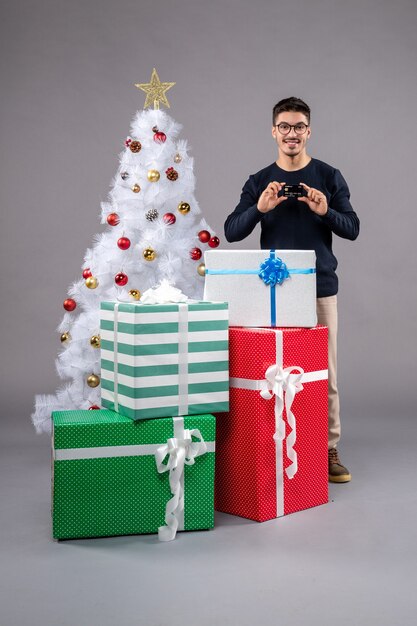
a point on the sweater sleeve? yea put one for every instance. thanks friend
(340, 217)
(244, 218)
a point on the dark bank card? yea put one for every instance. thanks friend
(293, 191)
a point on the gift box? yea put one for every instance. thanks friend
(271, 448)
(113, 476)
(274, 288)
(164, 359)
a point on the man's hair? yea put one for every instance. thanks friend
(291, 104)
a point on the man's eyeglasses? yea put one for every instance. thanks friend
(285, 128)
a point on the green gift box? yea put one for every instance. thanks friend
(115, 476)
(159, 360)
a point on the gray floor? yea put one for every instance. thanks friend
(352, 561)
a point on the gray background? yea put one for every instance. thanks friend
(67, 75)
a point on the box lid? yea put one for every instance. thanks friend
(89, 429)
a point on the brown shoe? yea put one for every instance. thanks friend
(338, 473)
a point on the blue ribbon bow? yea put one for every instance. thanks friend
(273, 271)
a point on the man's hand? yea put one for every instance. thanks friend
(315, 200)
(268, 199)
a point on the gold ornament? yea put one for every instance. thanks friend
(153, 176)
(93, 380)
(135, 294)
(155, 91)
(201, 269)
(136, 188)
(65, 337)
(177, 158)
(91, 282)
(95, 341)
(149, 254)
(184, 208)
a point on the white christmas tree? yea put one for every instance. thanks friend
(155, 231)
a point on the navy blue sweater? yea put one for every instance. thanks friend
(292, 225)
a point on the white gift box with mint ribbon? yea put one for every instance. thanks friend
(275, 288)
(160, 360)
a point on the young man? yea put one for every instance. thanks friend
(304, 223)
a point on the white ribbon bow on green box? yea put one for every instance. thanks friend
(181, 450)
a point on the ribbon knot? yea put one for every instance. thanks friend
(273, 271)
(179, 451)
(283, 384)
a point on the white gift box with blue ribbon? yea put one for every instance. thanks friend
(275, 288)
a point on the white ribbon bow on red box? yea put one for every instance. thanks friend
(283, 384)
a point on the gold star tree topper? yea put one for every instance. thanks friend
(155, 91)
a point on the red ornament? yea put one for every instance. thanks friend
(204, 236)
(128, 141)
(214, 242)
(86, 273)
(123, 243)
(121, 279)
(113, 219)
(160, 137)
(195, 254)
(69, 304)
(94, 407)
(169, 219)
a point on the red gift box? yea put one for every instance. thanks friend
(271, 448)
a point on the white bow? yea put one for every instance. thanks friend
(180, 451)
(164, 293)
(280, 382)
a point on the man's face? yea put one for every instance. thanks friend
(293, 143)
